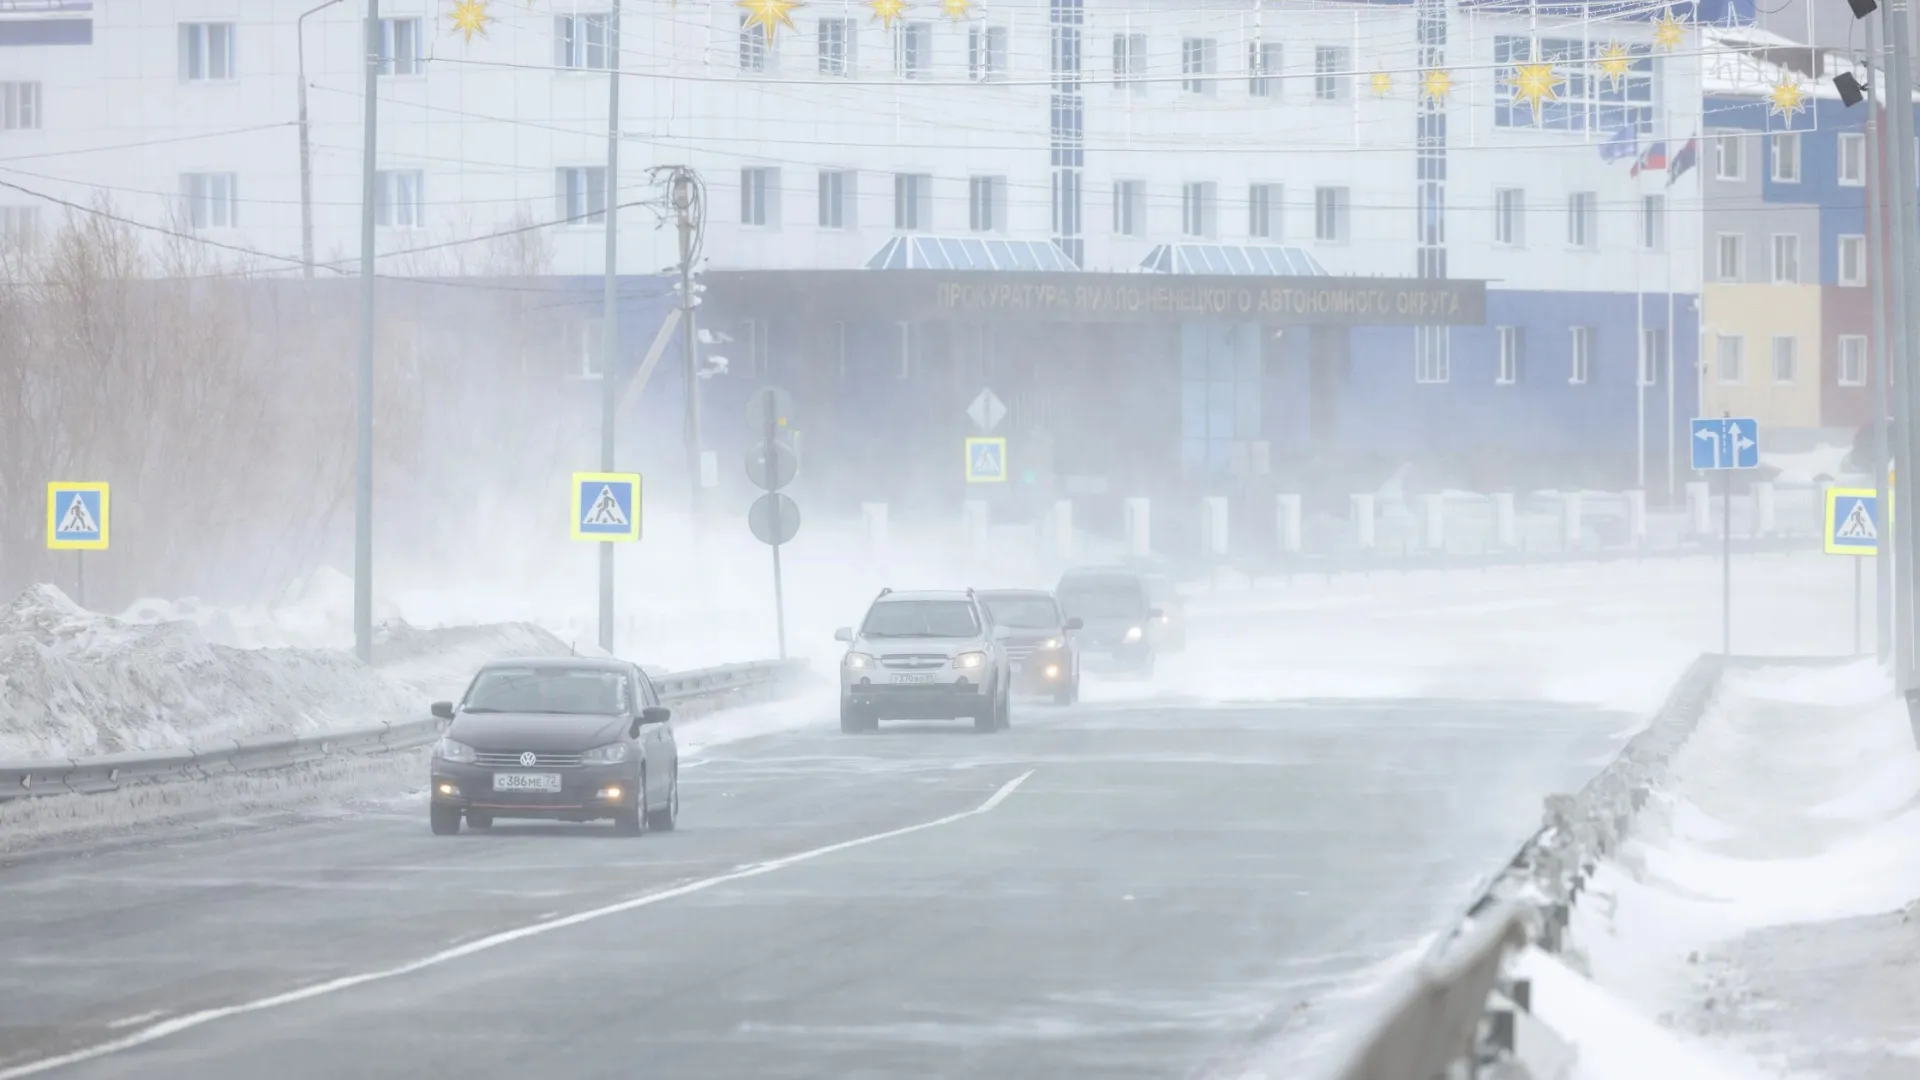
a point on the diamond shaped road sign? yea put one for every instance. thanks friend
(986, 412)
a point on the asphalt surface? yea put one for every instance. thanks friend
(1159, 894)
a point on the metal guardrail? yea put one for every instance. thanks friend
(109, 772)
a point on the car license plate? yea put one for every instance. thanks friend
(913, 678)
(526, 781)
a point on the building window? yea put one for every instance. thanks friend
(1264, 212)
(1130, 61)
(986, 53)
(1853, 260)
(1197, 211)
(1731, 358)
(838, 38)
(756, 48)
(1852, 166)
(18, 225)
(1727, 161)
(1263, 64)
(1330, 214)
(213, 199)
(1653, 354)
(1512, 347)
(987, 204)
(1332, 72)
(1586, 98)
(837, 189)
(1582, 217)
(1786, 258)
(1786, 358)
(1786, 157)
(400, 201)
(912, 202)
(760, 196)
(207, 52)
(912, 49)
(1853, 360)
(1653, 222)
(909, 348)
(1580, 369)
(20, 106)
(586, 42)
(1510, 217)
(1432, 354)
(1730, 256)
(581, 191)
(402, 50)
(1129, 207)
(1199, 59)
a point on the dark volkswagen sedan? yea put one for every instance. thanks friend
(568, 739)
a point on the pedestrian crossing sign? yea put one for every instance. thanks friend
(606, 506)
(77, 516)
(986, 461)
(1853, 521)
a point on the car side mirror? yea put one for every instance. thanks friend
(1075, 623)
(443, 710)
(845, 634)
(655, 714)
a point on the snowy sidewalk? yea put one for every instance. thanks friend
(1764, 908)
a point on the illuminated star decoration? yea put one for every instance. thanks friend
(769, 15)
(1535, 85)
(1382, 84)
(888, 12)
(1786, 97)
(1436, 84)
(956, 9)
(1615, 62)
(470, 17)
(1668, 31)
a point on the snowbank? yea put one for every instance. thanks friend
(76, 683)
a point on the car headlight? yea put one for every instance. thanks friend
(1134, 634)
(970, 660)
(858, 660)
(448, 750)
(610, 754)
(1053, 643)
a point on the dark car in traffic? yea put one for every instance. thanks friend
(1120, 623)
(1039, 642)
(559, 739)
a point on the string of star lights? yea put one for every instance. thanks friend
(1535, 85)
(469, 17)
(1669, 32)
(957, 10)
(887, 12)
(1786, 97)
(1436, 84)
(769, 15)
(1382, 83)
(1615, 63)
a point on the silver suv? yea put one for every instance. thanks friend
(924, 656)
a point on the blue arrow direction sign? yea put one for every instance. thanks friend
(1725, 442)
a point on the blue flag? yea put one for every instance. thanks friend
(1621, 145)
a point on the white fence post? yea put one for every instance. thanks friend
(1213, 525)
(1289, 510)
(1699, 508)
(1637, 518)
(1436, 521)
(1363, 522)
(1139, 527)
(1763, 509)
(1063, 546)
(1570, 524)
(1506, 535)
(974, 521)
(873, 522)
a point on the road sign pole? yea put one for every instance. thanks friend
(1879, 283)
(779, 592)
(363, 439)
(610, 310)
(80, 578)
(1856, 607)
(1726, 560)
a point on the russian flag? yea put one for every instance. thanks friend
(1652, 159)
(1688, 156)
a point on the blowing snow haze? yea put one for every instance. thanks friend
(1056, 537)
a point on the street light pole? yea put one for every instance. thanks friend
(363, 486)
(1877, 359)
(1904, 318)
(306, 153)
(609, 310)
(689, 200)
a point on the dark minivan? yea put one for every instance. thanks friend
(1120, 622)
(561, 739)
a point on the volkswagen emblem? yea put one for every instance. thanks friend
(527, 759)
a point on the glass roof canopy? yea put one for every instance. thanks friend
(1233, 259)
(969, 253)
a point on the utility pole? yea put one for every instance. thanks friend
(1877, 259)
(363, 480)
(689, 199)
(609, 310)
(1904, 318)
(306, 153)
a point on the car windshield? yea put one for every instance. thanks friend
(921, 619)
(560, 691)
(1106, 597)
(1032, 612)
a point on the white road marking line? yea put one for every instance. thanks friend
(140, 1019)
(492, 941)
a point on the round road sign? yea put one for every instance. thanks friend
(774, 475)
(761, 518)
(768, 405)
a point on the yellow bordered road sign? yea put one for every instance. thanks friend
(77, 516)
(986, 461)
(1853, 521)
(606, 506)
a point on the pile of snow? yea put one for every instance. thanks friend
(1765, 901)
(76, 683)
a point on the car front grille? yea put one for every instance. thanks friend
(913, 661)
(540, 761)
(1021, 652)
